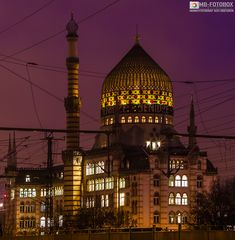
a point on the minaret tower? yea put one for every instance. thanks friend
(72, 156)
(192, 129)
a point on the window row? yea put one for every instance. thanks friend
(57, 191)
(178, 217)
(177, 199)
(178, 181)
(46, 223)
(94, 168)
(27, 223)
(177, 164)
(104, 183)
(27, 192)
(139, 119)
(27, 207)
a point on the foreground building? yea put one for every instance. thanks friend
(138, 171)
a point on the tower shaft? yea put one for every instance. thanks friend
(72, 156)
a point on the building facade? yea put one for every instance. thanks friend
(138, 171)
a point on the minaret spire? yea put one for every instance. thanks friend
(192, 129)
(72, 156)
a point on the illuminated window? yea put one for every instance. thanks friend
(156, 198)
(105, 200)
(143, 119)
(109, 183)
(90, 202)
(106, 121)
(178, 199)
(129, 119)
(111, 120)
(21, 192)
(43, 207)
(156, 119)
(99, 184)
(150, 119)
(100, 167)
(61, 221)
(42, 222)
(90, 185)
(21, 222)
(27, 178)
(90, 169)
(43, 192)
(172, 164)
(167, 121)
(59, 191)
(178, 218)
(178, 181)
(12, 194)
(122, 183)
(136, 119)
(171, 217)
(33, 192)
(184, 181)
(123, 120)
(122, 199)
(171, 181)
(171, 199)
(156, 218)
(184, 199)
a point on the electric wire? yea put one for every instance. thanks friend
(26, 17)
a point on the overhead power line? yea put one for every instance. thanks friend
(26, 17)
(61, 31)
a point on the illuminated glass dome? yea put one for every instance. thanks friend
(137, 84)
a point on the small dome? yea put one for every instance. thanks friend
(136, 84)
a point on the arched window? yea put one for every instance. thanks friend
(136, 119)
(156, 181)
(150, 119)
(156, 119)
(178, 199)
(143, 119)
(171, 217)
(42, 222)
(129, 119)
(106, 121)
(184, 181)
(171, 181)
(122, 183)
(109, 183)
(178, 218)
(156, 217)
(43, 207)
(184, 217)
(184, 199)
(99, 167)
(111, 120)
(156, 198)
(199, 181)
(171, 199)
(123, 120)
(90, 185)
(21, 207)
(177, 181)
(167, 121)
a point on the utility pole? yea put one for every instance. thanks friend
(49, 196)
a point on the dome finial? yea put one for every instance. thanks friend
(137, 35)
(72, 27)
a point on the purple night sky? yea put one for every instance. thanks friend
(188, 46)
